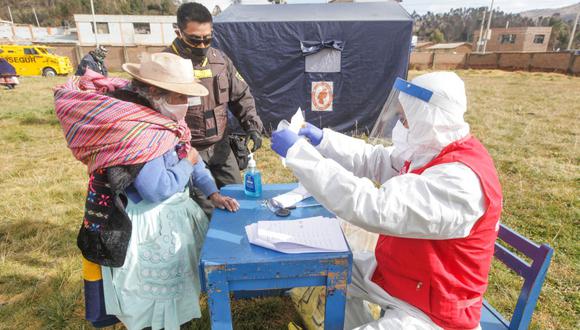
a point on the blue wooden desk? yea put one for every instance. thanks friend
(230, 263)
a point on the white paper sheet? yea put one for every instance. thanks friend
(292, 197)
(297, 121)
(309, 235)
(295, 124)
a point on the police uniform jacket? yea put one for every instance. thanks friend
(208, 119)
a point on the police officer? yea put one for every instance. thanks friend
(208, 119)
(94, 60)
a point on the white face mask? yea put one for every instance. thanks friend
(402, 151)
(400, 134)
(174, 111)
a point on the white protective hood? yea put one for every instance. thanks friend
(433, 125)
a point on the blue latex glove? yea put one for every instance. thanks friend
(283, 140)
(313, 133)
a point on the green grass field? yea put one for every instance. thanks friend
(528, 121)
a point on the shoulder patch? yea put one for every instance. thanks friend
(201, 74)
(239, 76)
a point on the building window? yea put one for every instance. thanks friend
(539, 38)
(507, 38)
(30, 51)
(102, 27)
(142, 28)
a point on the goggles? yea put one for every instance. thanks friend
(195, 40)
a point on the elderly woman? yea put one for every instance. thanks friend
(140, 224)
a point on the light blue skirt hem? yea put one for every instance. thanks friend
(158, 285)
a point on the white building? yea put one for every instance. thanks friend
(22, 33)
(125, 30)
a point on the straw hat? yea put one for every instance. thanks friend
(167, 71)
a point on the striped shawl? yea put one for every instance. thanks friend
(102, 131)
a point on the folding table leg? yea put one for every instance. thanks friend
(336, 283)
(218, 299)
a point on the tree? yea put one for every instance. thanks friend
(437, 36)
(53, 12)
(459, 24)
(560, 33)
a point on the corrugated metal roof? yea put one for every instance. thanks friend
(448, 46)
(126, 18)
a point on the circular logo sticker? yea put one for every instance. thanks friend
(322, 96)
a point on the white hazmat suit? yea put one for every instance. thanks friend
(444, 202)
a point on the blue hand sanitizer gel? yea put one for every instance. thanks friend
(252, 179)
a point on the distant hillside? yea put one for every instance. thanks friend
(566, 13)
(60, 12)
(458, 25)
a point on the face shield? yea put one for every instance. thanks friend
(394, 112)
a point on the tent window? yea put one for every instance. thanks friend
(326, 60)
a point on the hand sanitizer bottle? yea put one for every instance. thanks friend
(252, 179)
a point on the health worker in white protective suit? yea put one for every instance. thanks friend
(436, 211)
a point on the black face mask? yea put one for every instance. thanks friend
(197, 55)
(201, 52)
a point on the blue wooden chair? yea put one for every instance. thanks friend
(533, 274)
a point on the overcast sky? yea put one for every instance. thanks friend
(437, 6)
(515, 6)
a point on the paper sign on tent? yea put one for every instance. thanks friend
(322, 95)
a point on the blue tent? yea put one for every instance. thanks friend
(337, 61)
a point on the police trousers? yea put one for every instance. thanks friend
(220, 160)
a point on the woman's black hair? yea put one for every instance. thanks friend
(192, 12)
(131, 94)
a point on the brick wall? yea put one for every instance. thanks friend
(547, 61)
(466, 48)
(68, 51)
(482, 61)
(514, 61)
(446, 61)
(530, 46)
(524, 39)
(116, 57)
(551, 61)
(575, 66)
(421, 61)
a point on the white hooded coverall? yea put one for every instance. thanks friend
(444, 202)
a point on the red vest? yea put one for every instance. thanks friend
(446, 279)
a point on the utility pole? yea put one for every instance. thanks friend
(573, 34)
(480, 41)
(487, 32)
(95, 24)
(36, 17)
(10, 13)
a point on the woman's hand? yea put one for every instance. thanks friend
(193, 155)
(224, 202)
